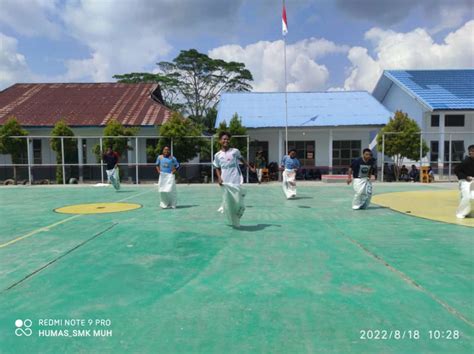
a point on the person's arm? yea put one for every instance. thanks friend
(349, 173)
(349, 176)
(246, 164)
(175, 165)
(158, 164)
(373, 171)
(298, 165)
(461, 171)
(218, 173)
(117, 159)
(282, 164)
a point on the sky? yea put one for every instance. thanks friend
(331, 44)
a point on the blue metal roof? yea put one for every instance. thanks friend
(437, 89)
(259, 109)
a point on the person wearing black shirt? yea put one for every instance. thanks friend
(465, 173)
(360, 173)
(111, 159)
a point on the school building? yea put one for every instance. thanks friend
(328, 129)
(86, 107)
(442, 103)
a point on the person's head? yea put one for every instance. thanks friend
(470, 151)
(166, 151)
(366, 154)
(413, 167)
(224, 139)
(109, 149)
(292, 153)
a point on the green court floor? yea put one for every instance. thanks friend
(301, 276)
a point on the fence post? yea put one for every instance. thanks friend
(101, 162)
(171, 147)
(136, 161)
(29, 159)
(383, 156)
(62, 160)
(248, 157)
(450, 149)
(212, 158)
(421, 155)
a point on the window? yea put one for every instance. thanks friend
(150, 150)
(37, 160)
(457, 151)
(435, 120)
(84, 150)
(256, 146)
(305, 151)
(454, 120)
(344, 151)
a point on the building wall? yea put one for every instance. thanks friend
(48, 156)
(397, 99)
(319, 135)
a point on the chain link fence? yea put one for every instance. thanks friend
(77, 159)
(445, 151)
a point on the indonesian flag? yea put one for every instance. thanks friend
(284, 24)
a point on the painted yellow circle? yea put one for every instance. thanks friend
(97, 208)
(432, 204)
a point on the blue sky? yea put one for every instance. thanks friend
(331, 44)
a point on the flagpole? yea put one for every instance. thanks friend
(286, 93)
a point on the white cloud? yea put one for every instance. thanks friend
(266, 62)
(13, 66)
(30, 17)
(411, 50)
(117, 40)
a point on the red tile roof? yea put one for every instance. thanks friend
(87, 104)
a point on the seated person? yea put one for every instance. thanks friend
(404, 174)
(414, 175)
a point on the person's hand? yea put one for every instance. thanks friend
(253, 169)
(349, 180)
(219, 180)
(281, 168)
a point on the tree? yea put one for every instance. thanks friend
(176, 129)
(405, 143)
(235, 128)
(70, 147)
(167, 83)
(16, 147)
(202, 79)
(120, 145)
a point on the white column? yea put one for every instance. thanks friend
(79, 159)
(441, 144)
(280, 151)
(129, 160)
(29, 148)
(330, 151)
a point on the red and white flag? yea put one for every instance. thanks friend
(284, 24)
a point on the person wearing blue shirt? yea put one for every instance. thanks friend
(360, 173)
(166, 166)
(289, 165)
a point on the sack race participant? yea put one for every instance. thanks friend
(111, 159)
(465, 173)
(260, 163)
(229, 177)
(360, 174)
(166, 166)
(289, 165)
